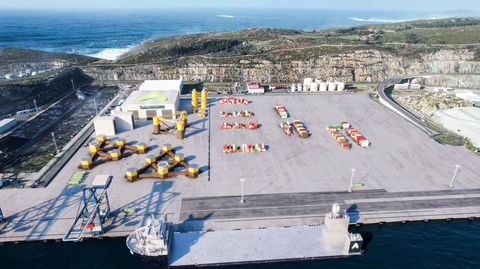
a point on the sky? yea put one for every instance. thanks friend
(390, 5)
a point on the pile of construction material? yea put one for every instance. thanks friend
(234, 101)
(241, 113)
(239, 125)
(281, 111)
(358, 137)
(286, 127)
(233, 148)
(77, 178)
(334, 131)
(302, 131)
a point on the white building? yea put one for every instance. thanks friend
(146, 104)
(255, 88)
(162, 85)
(6, 124)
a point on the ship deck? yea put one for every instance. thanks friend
(254, 246)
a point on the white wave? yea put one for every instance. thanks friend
(226, 16)
(110, 54)
(393, 20)
(375, 20)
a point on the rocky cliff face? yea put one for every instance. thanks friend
(17, 68)
(14, 97)
(367, 65)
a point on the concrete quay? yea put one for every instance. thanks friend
(404, 173)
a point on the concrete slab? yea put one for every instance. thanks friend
(250, 246)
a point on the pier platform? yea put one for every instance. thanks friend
(404, 175)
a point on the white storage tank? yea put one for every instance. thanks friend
(314, 87)
(332, 86)
(323, 86)
(340, 86)
(306, 83)
(300, 87)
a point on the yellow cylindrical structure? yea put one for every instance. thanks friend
(132, 174)
(203, 104)
(156, 125)
(93, 147)
(86, 163)
(101, 138)
(179, 157)
(115, 155)
(193, 171)
(166, 148)
(194, 100)
(156, 120)
(141, 148)
(120, 142)
(162, 168)
(151, 159)
(180, 129)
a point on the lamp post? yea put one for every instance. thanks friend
(242, 180)
(351, 180)
(35, 104)
(55, 142)
(457, 166)
(95, 103)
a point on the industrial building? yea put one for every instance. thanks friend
(162, 85)
(146, 104)
(6, 124)
(255, 88)
(407, 86)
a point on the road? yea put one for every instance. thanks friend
(390, 82)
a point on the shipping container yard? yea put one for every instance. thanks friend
(398, 174)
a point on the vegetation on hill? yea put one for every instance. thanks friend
(402, 39)
(18, 55)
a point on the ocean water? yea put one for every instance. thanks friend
(107, 35)
(394, 246)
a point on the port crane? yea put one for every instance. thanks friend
(93, 210)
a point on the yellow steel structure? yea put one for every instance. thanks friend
(180, 124)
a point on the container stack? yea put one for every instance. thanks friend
(241, 113)
(286, 127)
(238, 125)
(302, 131)
(281, 111)
(234, 101)
(334, 131)
(358, 137)
(233, 148)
